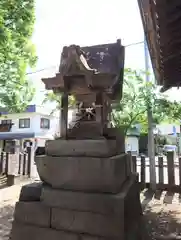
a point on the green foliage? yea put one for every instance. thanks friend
(55, 99)
(17, 53)
(138, 95)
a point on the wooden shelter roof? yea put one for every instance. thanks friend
(162, 21)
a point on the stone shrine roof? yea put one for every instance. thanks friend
(103, 63)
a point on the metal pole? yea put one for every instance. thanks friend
(151, 145)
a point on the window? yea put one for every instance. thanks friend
(45, 123)
(24, 123)
(6, 121)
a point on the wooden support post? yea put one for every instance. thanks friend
(64, 116)
(180, 170)
(99, 111)
(1, 162)
(106, 111)
(24, 163)
(134, 162)
(30, 162)
(109, 115)
(143, 169)
(160, 169)
(171, 169)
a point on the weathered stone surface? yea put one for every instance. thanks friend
(85, 148)
(133, 213)
(26, 232)
(88, 223)
(34, 213)
(85, 130)
(83, 173)
(31, 192)
(86, 237)
(118, 135)
(108, 204)
(81, 216)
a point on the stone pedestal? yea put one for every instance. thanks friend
(88, 192)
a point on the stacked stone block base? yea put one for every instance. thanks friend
(70, 205)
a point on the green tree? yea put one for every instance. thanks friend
(137, 96)
(17, 53)
(55, 100)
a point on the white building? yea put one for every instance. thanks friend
(168, 129)
(35, 122)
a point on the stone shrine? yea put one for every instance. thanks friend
(88, 189)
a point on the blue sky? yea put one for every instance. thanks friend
(64, 22)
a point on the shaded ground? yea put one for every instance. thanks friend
(162, 213)
(8, 198)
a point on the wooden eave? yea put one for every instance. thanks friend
(162, 21)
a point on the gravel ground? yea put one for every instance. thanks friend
(162, 213)
(8, 198)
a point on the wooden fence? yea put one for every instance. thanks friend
(168, 171)
(15, 165)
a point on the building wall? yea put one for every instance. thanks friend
(168, 128)
(132, 144)
(34, 123)
(35, 113)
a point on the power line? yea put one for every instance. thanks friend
(40, 70)
(47, 68)
(133, 44)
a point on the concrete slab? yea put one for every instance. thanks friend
(102, 203)
(87, 223)
(85, 148)
(88, 174)
(118, 135)
(107, 204)
(31, 192)
(86, 237)
(27, 232)
(34, 213)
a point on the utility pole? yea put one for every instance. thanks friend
(151, 145)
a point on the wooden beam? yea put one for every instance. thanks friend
(163, 37)
(64, 115)
(144, 6)
(174, 19)
(172, 56)
(99, 111)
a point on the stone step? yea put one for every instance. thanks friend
(102, 203)
(31, 192)
(109, 227)
(32, 213)
(84, 216)
(84, 148)
(84, 173)
(22, 231)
